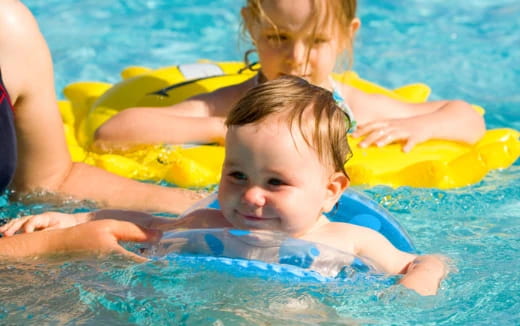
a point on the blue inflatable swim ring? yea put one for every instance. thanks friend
(273, 252)
(356, 208)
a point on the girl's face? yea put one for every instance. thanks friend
(272, 180)
(295, 46)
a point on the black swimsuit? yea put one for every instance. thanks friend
(7, 139)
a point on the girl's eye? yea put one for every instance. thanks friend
(237, 175)
(276, 182)
(320, 40)
(277, 37)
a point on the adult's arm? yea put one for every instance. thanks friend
(91, 238)
(44, 162)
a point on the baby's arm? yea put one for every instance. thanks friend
(424, 274)
(199, 119)
(421, 273)
(387, 120)
(44, 221)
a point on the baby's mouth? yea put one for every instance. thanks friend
(253, 217)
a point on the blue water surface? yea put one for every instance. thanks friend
(465, 49)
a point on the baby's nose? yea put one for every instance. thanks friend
(254, 196)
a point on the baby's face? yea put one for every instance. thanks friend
(272, 180)
(292, 46)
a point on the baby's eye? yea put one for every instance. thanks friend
(237, 175)
(276, 182)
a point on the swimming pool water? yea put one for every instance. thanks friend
(465, 50)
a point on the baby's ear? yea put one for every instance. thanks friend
(338, 182)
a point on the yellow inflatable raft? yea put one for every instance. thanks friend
(437, 164)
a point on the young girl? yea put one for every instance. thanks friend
(304, 38)
(284, 167)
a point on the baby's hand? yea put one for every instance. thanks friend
(45, 221)
(425, 273)
(384, 132)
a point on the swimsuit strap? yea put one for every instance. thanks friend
(8, 155)
(340, 101)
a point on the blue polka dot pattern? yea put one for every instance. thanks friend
(239, 233)
(298, 254)
(214, 244)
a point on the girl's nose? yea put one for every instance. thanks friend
(254, 196)
(297, 53)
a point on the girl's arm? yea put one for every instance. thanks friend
(161, 125)
(199, 119)
(99, 238)
(383, 120)
(44, 161)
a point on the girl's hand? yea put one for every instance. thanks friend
(384, 132)
(45, 221)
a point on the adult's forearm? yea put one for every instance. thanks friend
(109, 190)
(26, 245)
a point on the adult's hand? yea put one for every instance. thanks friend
(98, 238)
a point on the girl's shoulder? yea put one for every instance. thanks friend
(221, 100)
(347, 92)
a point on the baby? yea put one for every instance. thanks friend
(284, 167)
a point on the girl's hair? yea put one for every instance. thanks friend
(311, 108)
(340, 12)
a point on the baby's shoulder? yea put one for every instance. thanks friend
(344, 236)
(351, 230)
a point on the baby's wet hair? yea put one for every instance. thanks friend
(312, 109)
